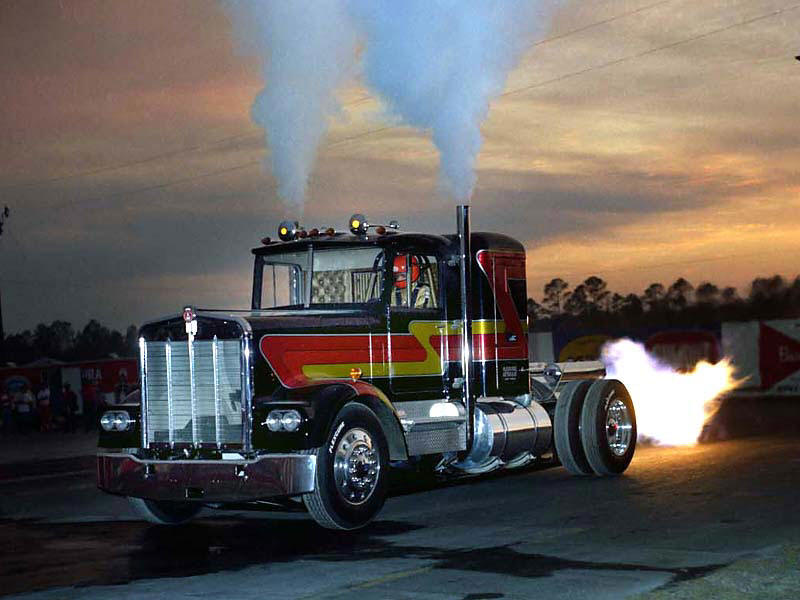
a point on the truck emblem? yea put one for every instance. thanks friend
(190, 321)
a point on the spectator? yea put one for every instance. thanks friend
(24, 410)
(6, 411)
(89, 394)
(70, 409)
(57, 407)
(44, 409)
(121, 389)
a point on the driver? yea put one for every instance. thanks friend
(420, 292)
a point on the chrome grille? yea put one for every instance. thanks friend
(193, 392)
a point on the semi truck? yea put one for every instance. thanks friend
(363, 351)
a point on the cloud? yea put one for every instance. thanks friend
(654, 168)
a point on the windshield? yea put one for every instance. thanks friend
(319, 276)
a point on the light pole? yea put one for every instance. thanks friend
(3, 218)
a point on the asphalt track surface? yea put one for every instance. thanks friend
(676, 514)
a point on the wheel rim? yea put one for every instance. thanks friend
(619, 427)
(356, 466)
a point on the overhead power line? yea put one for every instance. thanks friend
(653, 50)
(515, 91)
(243, 136)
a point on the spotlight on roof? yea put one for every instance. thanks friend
(287, 230)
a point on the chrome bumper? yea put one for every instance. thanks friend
(206, 480)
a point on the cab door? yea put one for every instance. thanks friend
(417, 338)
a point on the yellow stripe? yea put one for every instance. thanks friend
(423, 331)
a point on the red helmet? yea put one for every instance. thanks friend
(399, 270)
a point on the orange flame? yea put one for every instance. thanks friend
(671, 407)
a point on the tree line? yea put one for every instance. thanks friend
(60, 341)
(681, 303)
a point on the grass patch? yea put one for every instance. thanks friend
(774, 575)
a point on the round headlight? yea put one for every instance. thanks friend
(122, 420)
(274, 420)
(107, 421)
(290, 420)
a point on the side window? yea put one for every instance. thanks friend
(415, 282)
(280, 285)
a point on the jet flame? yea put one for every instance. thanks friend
(671, 407)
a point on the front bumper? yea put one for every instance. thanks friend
(206, 480)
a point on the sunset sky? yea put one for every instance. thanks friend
(640, 141)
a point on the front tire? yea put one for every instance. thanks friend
(164, 512)
(352, 471)
(608, 427)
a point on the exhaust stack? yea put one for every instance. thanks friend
(467, 366)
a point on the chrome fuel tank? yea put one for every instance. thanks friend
(506, 430)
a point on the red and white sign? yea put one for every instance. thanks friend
(766, 353)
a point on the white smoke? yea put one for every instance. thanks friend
(437, 64)
(308, 50)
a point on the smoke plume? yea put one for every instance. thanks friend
(307, 51)
(436, 64)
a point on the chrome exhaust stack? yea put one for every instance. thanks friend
(467, 366)
(500, 432)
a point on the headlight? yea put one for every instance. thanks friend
(116, 420)
(107, 421)
(283, 420)
(290, 420)
(274, 420)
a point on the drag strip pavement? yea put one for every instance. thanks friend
(677, 514)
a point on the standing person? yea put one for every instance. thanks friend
(70, 409)
(89, 394)
(43, 406)
(24, 410)
(6, 411)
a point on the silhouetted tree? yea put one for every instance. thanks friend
(654, 296)
(54, 340)
(707, 293)
(597, 293)
(679, 294)
(729, 295)
(554, 295)
(577, 303)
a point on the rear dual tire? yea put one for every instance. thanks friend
(595, 427)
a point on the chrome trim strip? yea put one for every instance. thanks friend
(215, 361)
(247, 390)
(143, 387)
(192, 392)
(170, 412)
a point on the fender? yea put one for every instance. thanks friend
(319, 405)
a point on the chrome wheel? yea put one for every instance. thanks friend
(619, 426)
(356, 466)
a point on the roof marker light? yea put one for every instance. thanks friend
(358, 224)
(287, 230)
